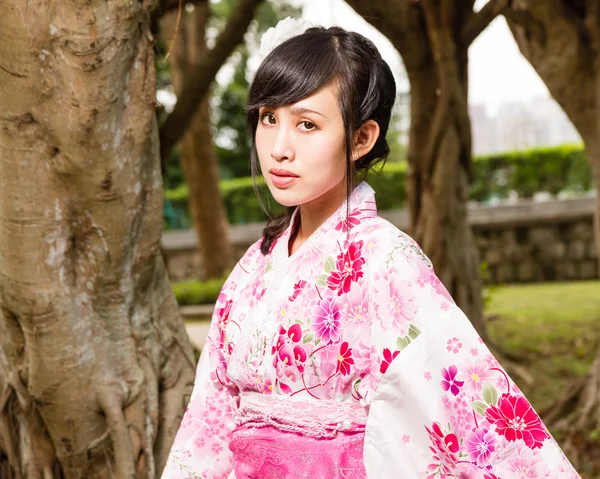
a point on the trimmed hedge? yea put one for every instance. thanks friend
(191, 292)
(552, 170)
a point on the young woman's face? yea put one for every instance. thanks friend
(301, 148)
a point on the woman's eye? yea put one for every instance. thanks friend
(308, 125)
(270, 118)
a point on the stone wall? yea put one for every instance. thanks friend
(526, 242)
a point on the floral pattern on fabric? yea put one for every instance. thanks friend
(344, 319)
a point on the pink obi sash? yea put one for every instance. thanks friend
(286, 438)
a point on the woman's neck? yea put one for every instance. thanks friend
(315, 213)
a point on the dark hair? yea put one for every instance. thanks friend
(303, 64)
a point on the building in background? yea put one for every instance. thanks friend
(520, 125)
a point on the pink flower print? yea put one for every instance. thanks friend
(427, 276)
(285, 388)
(326, 321)
(474, 352)
(490, 475)
(311, 261)
(344, 359)
(479, 445)
(450, 382)
(396, 304)
(295, 333)
(524, 464)
(299, 353)
(405, 438)
(356, 305)
(348, 269)
(365, 357)
(268, 386)
(473, 374)
(286, 354)
(297, 288)
(223, 315)
(444, 447)
(427, 376)
(454, 345)
(348, 223)
(388, 357)
(514, 419)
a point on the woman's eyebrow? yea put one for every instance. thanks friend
(299, 111)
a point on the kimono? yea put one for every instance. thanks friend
(349, 359)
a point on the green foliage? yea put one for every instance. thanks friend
(554, 170)
(553, 328)
(198, 292)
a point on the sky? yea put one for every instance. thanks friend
(498, 73)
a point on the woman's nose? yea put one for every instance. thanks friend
(282, 146)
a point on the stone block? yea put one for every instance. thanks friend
(552, 250)
(576, 250)
(504, 273)
(582, 230)
(592, 251)
(513, 252)
(566, 270)
(493, 257)
(543, 235)
(526, 270)
(589, 269)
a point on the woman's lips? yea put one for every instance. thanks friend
(282, 178)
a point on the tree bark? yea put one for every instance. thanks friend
(198, 158)
(430, 38)
(95, 364)
(561, 40)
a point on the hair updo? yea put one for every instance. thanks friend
(303, 64)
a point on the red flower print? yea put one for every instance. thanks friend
(344, 359)
(491, 476)
(348, 269)
(348, 223)
(388, 357)
(297, 288)
(449, 382)
(515, 419)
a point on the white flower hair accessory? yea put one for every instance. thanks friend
(284, 30)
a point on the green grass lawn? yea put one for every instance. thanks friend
(554, 327)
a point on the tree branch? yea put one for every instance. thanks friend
(165, 6)
(479, 21)
(197, 83)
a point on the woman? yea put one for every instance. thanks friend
(334, 350)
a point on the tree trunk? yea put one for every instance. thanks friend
(561, 40)
(428, 36)
(95, 364)
(198, 158)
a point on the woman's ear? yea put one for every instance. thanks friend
(364, 139)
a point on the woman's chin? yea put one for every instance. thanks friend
(285, 197)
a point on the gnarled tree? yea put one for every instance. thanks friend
(95, 364)
(433, 37)
(194, 67)
(561, 40)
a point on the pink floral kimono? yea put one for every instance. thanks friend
(349, 359)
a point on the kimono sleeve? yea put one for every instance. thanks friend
(201, 446)
(445, 408)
